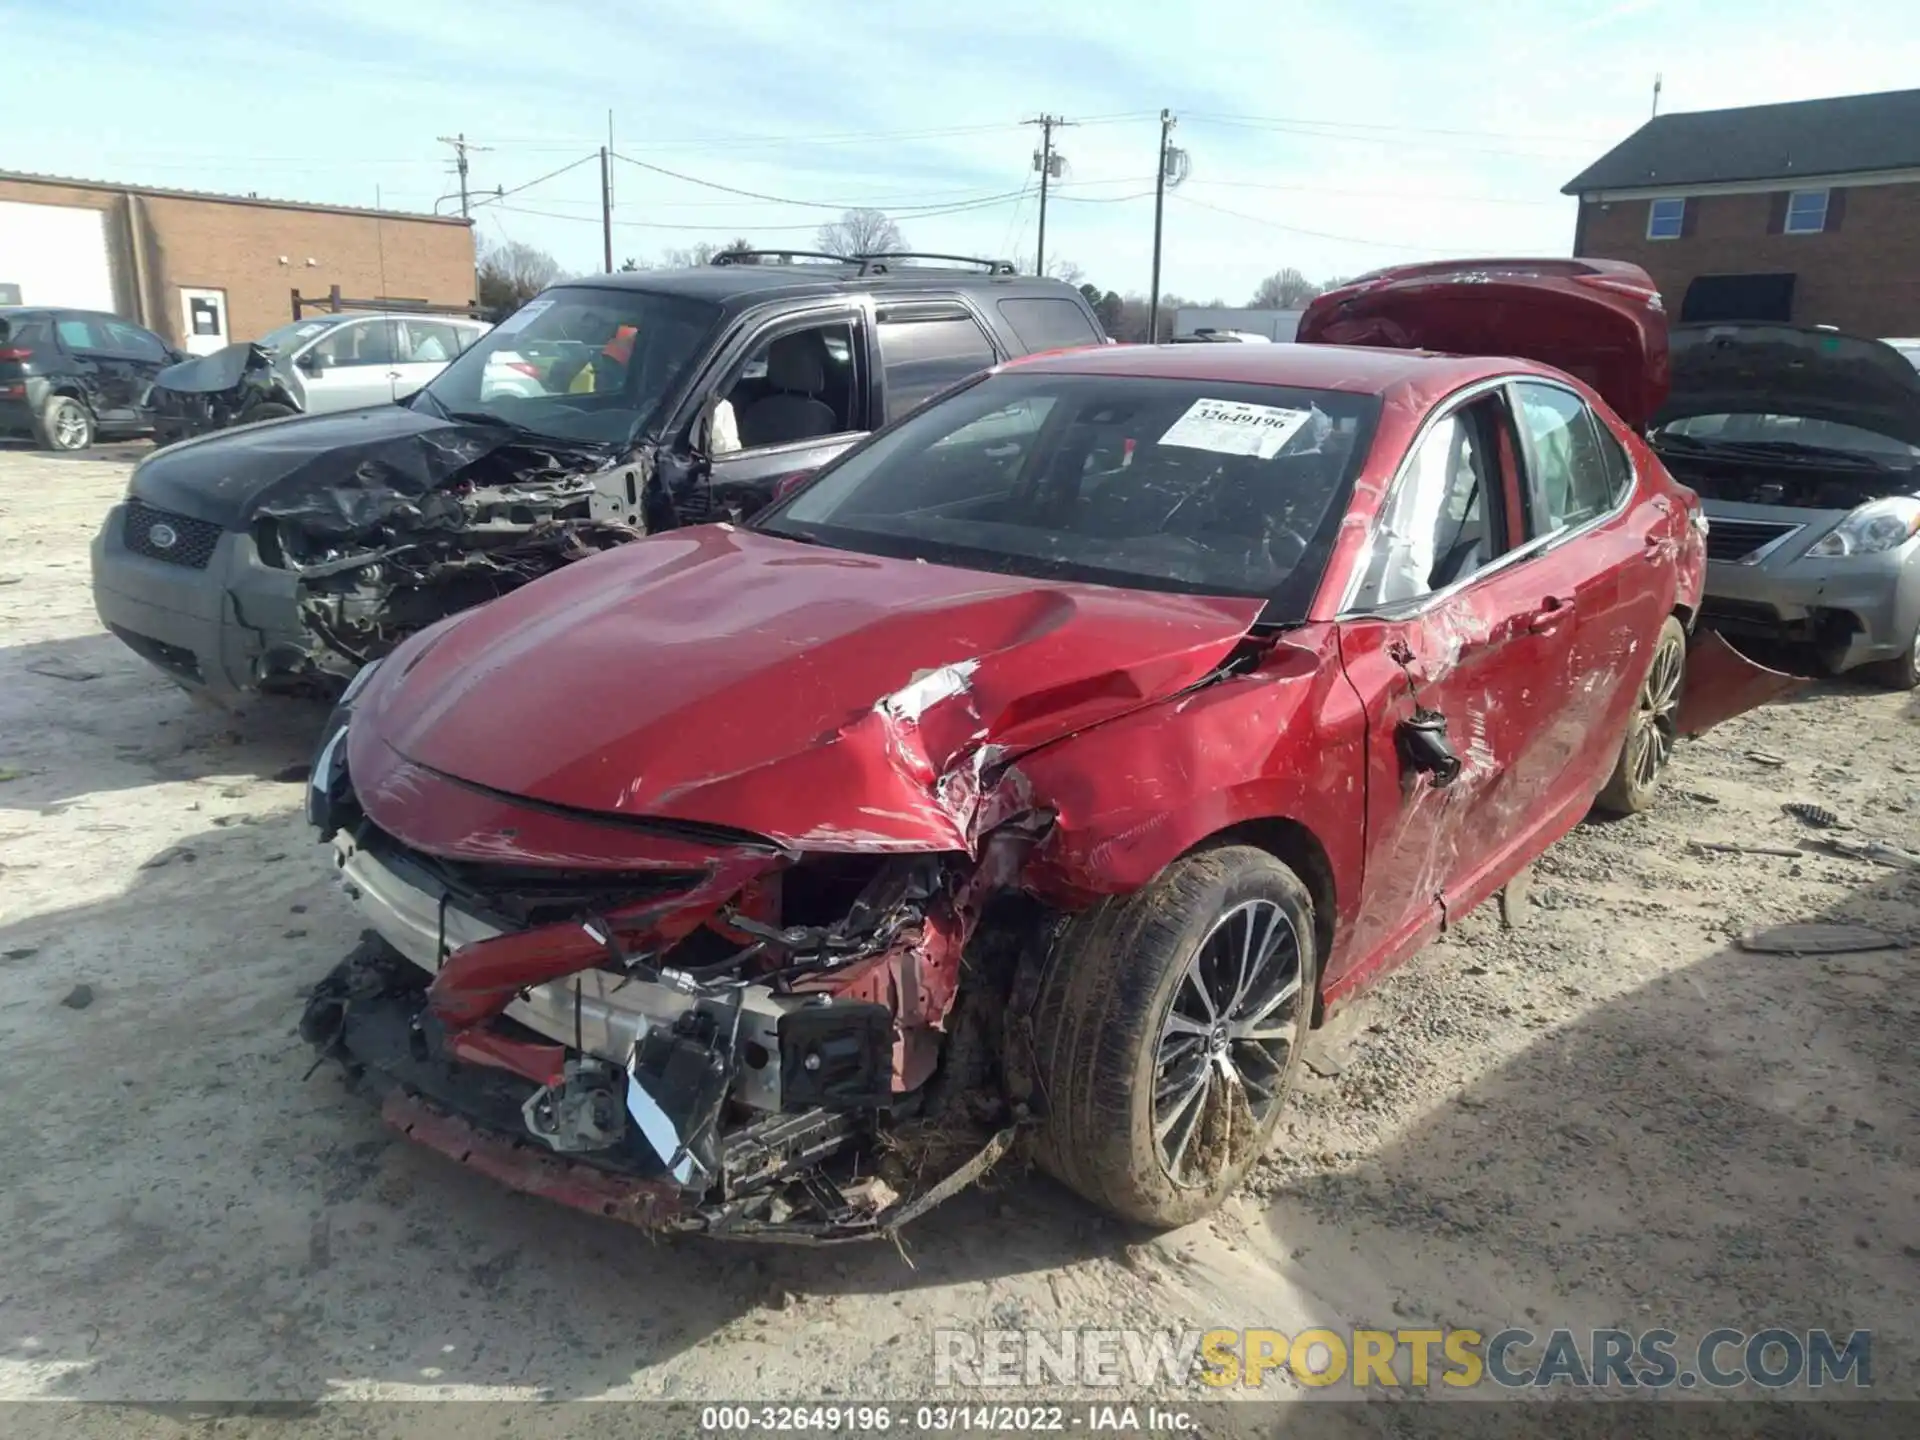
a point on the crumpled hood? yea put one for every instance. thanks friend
(309, 462)
(1733, 369)
(211, 374)
(821, 698)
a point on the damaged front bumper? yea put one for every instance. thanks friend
(679, 1048)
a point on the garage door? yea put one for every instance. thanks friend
(55, 255)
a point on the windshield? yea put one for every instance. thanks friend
(577, 363)
(1122, 480)
(289, 337)
(1797, 431)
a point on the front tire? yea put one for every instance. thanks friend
(266, 410)
(1653, 729)
(1168, 1031)
(66, 424)
(1900, 673)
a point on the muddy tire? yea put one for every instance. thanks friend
(65, 424)
(1652, 728)
(1167, 1033)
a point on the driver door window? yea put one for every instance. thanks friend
(795, 386)
(1446, 518)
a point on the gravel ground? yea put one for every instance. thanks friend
(1610, 1116)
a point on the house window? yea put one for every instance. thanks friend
(1806, 212)
(1665, 219)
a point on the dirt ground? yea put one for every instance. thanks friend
(1611, 1116)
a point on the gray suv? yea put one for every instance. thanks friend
(1804, 446)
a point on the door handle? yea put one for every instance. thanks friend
(1554, 612)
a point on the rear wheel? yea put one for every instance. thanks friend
(266, 410)
(66, 424)
(1653, 729)
(1168, 1032)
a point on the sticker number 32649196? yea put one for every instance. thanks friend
(1234, 427)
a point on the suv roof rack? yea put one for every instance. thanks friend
(865, 264)
(877, 264)
(748, 257)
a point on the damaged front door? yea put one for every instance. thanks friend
(1462, 660)
(794, 395)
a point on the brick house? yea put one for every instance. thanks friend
(200, 269)
(1806, 212)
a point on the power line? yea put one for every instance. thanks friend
(1292, 120)
(500, 195)
(929, 214)
(1380, 194)
(1316, 234)
(1409, 141)
(460, 148)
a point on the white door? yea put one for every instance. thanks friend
(349, 367)
(203, 320)
(421, 351)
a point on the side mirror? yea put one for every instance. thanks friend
(311, 362)
(790, 483)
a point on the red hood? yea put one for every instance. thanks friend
(818, 697)
(1599, 320)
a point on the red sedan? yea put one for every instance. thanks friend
(1039, 772)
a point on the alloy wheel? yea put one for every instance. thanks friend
(1221, 1060)
(1656, 719)
(70, 428)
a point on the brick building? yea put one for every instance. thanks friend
(203, 269)
(1806, 212)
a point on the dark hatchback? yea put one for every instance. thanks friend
(70, 377)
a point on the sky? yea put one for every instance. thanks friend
(1324, 136)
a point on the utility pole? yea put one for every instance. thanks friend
(1656, 96)
(460, 149)
(1171, 170)
(1049, 165)
(606, 207)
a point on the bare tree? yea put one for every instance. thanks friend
(861, 232)
(510, 274)
(1067, 270)
(1284, 290)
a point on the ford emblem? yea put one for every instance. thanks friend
(163, 536)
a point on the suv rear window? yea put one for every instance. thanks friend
(24, 331)
(1044, 324)
(924, 356)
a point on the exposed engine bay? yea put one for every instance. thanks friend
(1786, 476)
(405, 534)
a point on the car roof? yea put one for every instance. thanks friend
(752, 284)
(1361, 369)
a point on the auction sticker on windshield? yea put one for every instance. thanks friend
(1235, 427)
(532, 310)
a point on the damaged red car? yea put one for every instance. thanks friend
(1038, 773)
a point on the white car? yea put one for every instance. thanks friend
(342, 362)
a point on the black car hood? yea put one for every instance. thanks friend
(340, 473)
(1791, 370)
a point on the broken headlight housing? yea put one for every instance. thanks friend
(1874, 528)
(330, 758)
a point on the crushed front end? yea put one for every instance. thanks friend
(685, 1027)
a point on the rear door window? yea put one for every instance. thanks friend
(133, 342)
(81, 335)
(925, 353)
(1574, 473)
(1047, 324)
